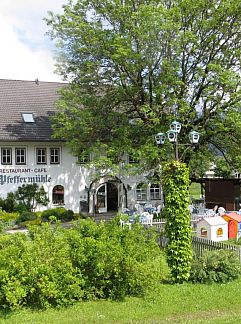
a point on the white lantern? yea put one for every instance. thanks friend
(176, 126)
(172, 136)
(194, 137)
(160, 138)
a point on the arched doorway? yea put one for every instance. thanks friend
(107, 198)
(106, 194)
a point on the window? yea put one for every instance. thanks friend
(141, 192)
(204, 232)
(58, 195)
(28, 117)
(54, 156)
(83, 157)
(6, 154)
(41, 156)
(219, 232)
(155, 192)
(20, 155)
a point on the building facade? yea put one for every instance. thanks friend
(30, 154)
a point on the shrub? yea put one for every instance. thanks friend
(51, 266)
(35, 270)
(215, 266)
(77, 216)
(26, 216)
(7, 220)
(59, 213)
(115, 261)
(37, 221)
(4, 216)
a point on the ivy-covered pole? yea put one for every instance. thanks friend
(175, 180)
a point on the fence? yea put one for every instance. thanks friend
(160, 224)
(201, 244)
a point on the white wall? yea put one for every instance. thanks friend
(71, 176)
(76, 179)
(216, 238)
(212, 231)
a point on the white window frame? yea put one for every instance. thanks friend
(28, 117)
(22, 157)
(42, 156)
(8, 157)
(141, 192)
(155, 192)
(53, 157)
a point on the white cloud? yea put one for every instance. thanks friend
(26, 52)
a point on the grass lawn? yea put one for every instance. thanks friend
(185, 303)
(195, 190)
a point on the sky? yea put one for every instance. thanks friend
(26, 52)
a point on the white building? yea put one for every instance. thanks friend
(29, 153)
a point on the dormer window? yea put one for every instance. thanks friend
(28, 117)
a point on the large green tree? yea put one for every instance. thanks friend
(136, 65)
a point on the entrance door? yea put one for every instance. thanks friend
(101, 197)
(107, 198)
(112, 197)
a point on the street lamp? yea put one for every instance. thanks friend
(172, 135)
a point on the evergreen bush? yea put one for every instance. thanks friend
(26, 216)
(215, 266)
(60, 213)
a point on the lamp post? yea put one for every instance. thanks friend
(172, 135)
(175, 182)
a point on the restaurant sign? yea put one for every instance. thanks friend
(18, 176)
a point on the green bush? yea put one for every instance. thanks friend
(59, 213)
(35, 270)
(26, 216)
(4, 216)
(36, 221)
(51, 266)
(7, 220)
(116, 261)
(215, 266)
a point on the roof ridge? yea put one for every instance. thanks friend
(20, 80)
